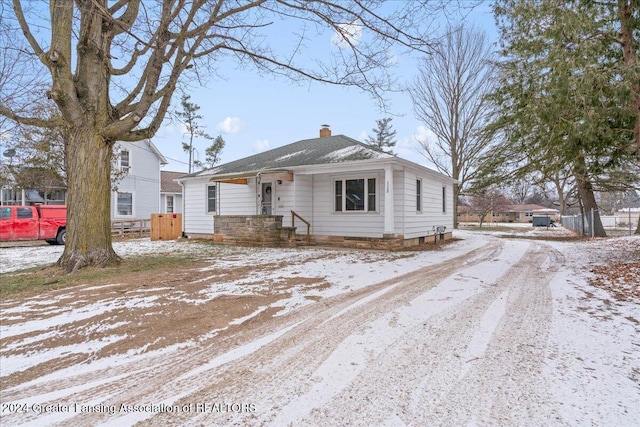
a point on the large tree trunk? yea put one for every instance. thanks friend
(88, 241)
(638, 227)
(589, 203)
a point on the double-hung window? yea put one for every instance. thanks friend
(212, 196)
(355, 195)
(125, 204)
(125, 163)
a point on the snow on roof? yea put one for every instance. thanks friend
(355, 151)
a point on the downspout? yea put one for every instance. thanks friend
(184, 217)
(258, 193)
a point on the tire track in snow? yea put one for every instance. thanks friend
(422, 339)
(502, 386)
(163, 375)
(285, 367)
(422, 377)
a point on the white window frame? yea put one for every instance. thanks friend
(343, 180)
(124, 167)
(166, 203)
(215, 200)
(419, 190)
(118, 193)
(444, 199)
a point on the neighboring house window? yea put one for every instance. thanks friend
(211, 198)
(419, 195)
(124, 160)
(355, 195)
(125, 204)
(169, 204)
(444, 199)
(529, 213)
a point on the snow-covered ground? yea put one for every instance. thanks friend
(489, 330)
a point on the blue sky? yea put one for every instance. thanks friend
(255, 113)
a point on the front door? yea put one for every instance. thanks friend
(267, 197)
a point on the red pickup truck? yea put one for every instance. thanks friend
(40, 222)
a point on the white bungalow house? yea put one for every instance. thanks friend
(345, 190)
(136, 192)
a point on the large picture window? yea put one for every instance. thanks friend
(125, 204)
(355, 195)
(211, 198)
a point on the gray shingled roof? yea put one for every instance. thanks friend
(316, 151)
(167, 183)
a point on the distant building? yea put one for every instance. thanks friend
(170, 192)
(510, 213)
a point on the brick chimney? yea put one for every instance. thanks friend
(325, 131)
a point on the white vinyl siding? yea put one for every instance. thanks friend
(326, 221)
(237, 199)
(195, 218)
(142, 180)
(420, 224)
(303, 202)
(283, 201)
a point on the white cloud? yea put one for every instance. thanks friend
(260, 145)
(173, 129)
(346, 35)
(424, 135)
(363, 136)
(230, 125)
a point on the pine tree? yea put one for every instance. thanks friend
(384, 136)
(190, 118)
(565, 98)
(212, 153)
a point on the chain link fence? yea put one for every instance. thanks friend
(580, 224)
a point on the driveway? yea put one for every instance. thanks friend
(488, 330)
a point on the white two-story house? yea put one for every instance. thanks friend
(136, 187)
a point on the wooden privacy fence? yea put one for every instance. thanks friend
(122, 227)
(166, 226)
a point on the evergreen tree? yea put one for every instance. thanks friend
(566, 97)
(212, 152)
(190, 118)
(384, 136)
